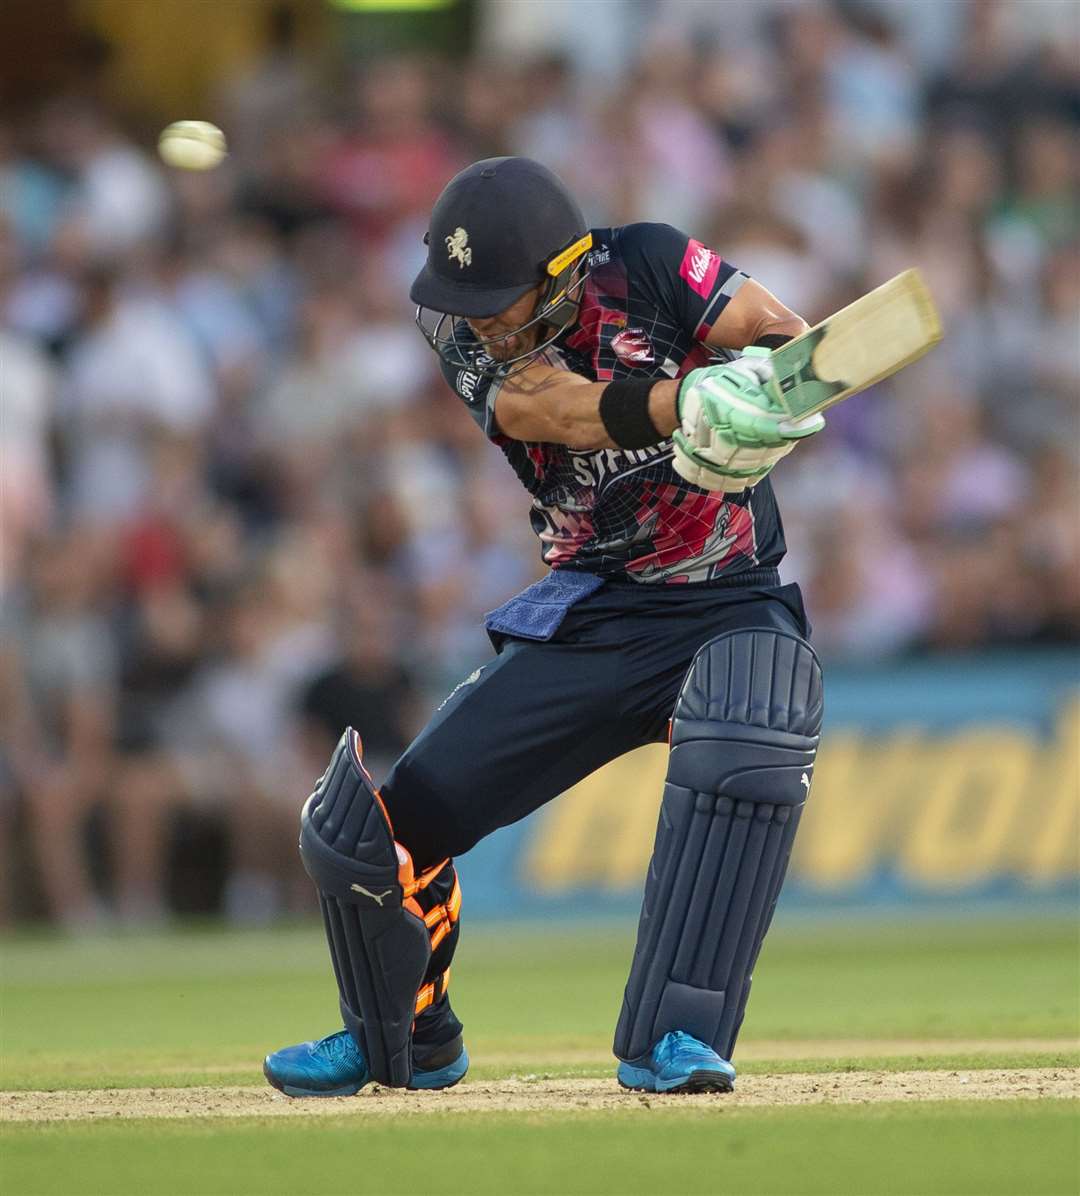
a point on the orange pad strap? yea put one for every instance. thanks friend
(432, 992)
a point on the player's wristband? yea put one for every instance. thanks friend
(772, 340)
(624, 412)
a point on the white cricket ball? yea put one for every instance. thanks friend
(192, 145)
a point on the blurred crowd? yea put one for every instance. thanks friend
(240, 508)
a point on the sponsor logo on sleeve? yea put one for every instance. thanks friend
(466, 385)
(700, 266)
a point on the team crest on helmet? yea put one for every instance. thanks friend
(457, 245)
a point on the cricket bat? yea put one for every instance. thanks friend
(868, 340)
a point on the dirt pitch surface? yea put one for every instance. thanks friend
(535, 1094)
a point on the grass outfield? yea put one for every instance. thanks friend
(202, 1007)
(984, 1150)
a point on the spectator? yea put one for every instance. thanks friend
(26, 497)
(366, 687)
(133, 372)
(119, 201)
(69, 676)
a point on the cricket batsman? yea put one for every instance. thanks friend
(622, 371)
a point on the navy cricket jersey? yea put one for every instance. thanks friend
(650, 299)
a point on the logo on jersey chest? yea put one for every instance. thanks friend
(633, 348)
(593, 469)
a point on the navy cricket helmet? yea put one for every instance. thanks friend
(500, 228)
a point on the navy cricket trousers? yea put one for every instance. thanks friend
(544, 714)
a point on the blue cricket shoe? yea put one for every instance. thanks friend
(335, 1066)
(678, 1063)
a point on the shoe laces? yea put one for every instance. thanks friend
(675, 1042)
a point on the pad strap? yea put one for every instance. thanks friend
(430, 993)
(440, 918)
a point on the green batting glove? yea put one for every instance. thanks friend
(730, 403)
(731, 434)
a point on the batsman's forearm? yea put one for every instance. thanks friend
(583, 426)
(664, 407)
(583, 422)
(771, 340)
(776, 332)
(566, 410)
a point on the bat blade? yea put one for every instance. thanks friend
(861, 344)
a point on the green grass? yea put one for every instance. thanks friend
(206, 1006)
(1008, 1149)
(202, 1007)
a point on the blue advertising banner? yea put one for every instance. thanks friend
(947, 780)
